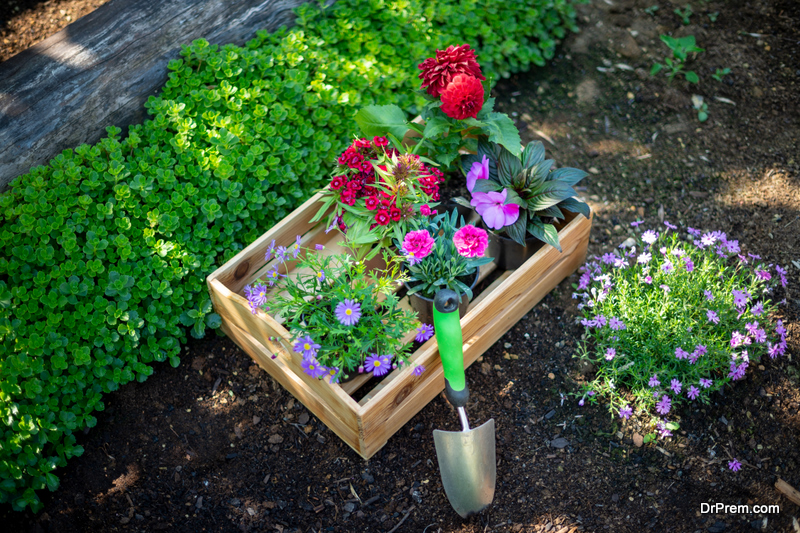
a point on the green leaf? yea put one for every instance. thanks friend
(533, 154)
(486, 186)
(692, 77)
(502, 130)
(544, 232)
(213, 320)
(656, 68)
(570, 176)
(574, 205)
(435, 126)
(516, 231)
(377, 120)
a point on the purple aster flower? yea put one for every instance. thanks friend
(650, 236)
(735, 465)
(610, 354)
(256, 295)
(663, 407)
(600, 321)
(680, 353)
(712, 317)
(321, 275)
(312, 367)
(757, 309)
(644, 258)
(306, 347)
(378, 364)
(418, 370)
(693, 392)
(334, 374)
(319, 247)
(270, 251)
(348, 312)
(693, 232)
(667, 267)
(296, 247)
(280, 253)
(739, 298)
(648, 280)
(654, 381)
(670, 226)
(334, 224)
(616, 324)
(676, 386)
(706, 383)
(665, 287)
(424, 332)
(709, 295)
(625, 412)
(273, 276)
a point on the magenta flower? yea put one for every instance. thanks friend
(625, 412)
(418, 370)
(676, 386)
(348, 312)
(763, 274)
(610, 354)
(693, 392)
(662, 428)
(654, 381)
(417, 245)
(705, 383)
(663, 407)
(479, 171)
(424, 332)
(712, 317)
(494, 210)
(648, 280)
(306, 347)
(378, 364)
(760, 336)
(735, 465)
(312, 367)
(471, 241)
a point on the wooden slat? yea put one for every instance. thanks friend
(101, 69)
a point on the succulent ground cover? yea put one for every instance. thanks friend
(267, 463)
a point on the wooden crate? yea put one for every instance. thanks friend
(366, 425)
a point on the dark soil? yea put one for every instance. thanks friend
(216, 445)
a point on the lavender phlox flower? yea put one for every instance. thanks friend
(312, 367)
(637, 223)
(735, 465)
(648, 280)
(644, 258)
(712, 316)
(348, 312)
(779, 329)
(610, 354)
(763, 275)
(663, 250)
(709, 295)
(700, 350)
(743, 259)
(650, 236)
(418, 370)
(706, 383)
(600, 320)
(588, 323)
(664, 405)
(773, 350)
(631, 253)
(625, 412)
(782, 273)
(760, 336)
(620, 262)
(737, 339)
(677, 252)
(665, 287)
(670, 226)
(667, 267)
(616, 324)
(757, 309)
(676, 386)
(732, 247)
(270, 251)
(584, 281)
(693, 392)
(424, 332)
(693, 232)
(751, 327)
(653, 381)
(688, 264)
(662, 428)
(609, 258)
(708, 239)
(754, 256)
(680, 353)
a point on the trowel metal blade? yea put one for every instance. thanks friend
(468, 467)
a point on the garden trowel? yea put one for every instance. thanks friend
(467, 457)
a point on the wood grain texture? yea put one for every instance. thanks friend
(99, 70)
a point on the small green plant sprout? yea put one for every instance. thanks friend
(721, 73)
(684, 14)
(701, 107)
(681, 48)
(651, 10)
(713, 16)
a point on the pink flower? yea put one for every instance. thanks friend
(479, 171)
(417, 245)
(425, 210)
(494, 210)
(471, 241)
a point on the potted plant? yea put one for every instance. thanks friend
(377, 190)
(343, 319)
(442, 252)
(520, 198)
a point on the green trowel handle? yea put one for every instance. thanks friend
(447, 325)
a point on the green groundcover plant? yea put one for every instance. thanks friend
(673, 322)
(104, 251)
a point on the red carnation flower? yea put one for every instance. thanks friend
(395, 214)
(372, 203)
(337, 182)
(438, 72)
(382, 217)
(462, 98)
(380, 141)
